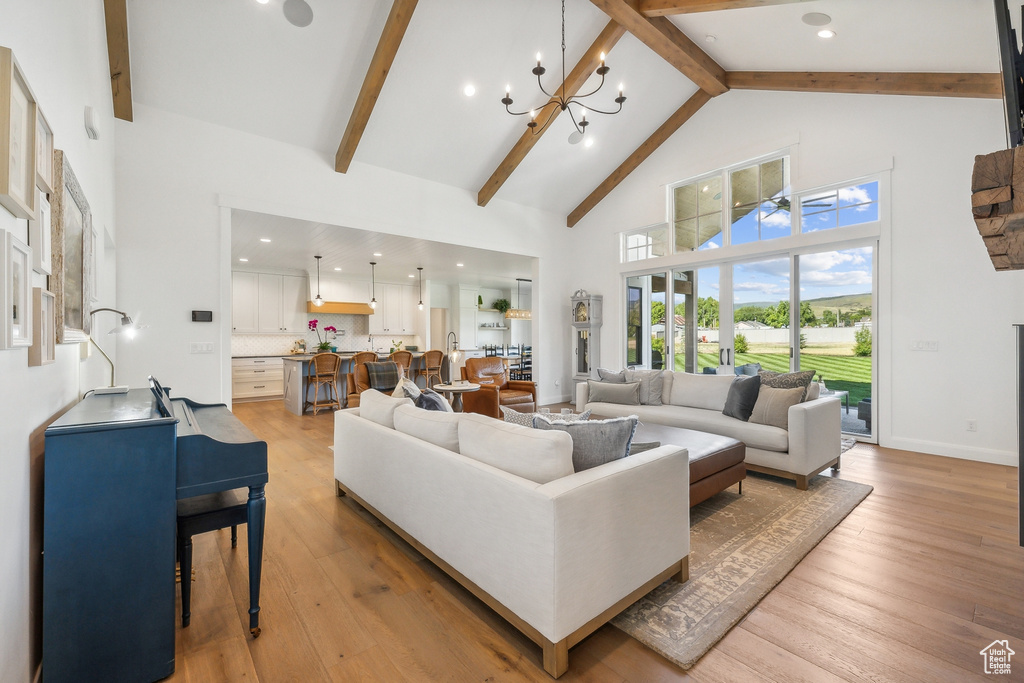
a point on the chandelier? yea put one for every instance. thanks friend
(519, 313)
(560, 100)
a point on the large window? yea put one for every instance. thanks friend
(698, 214)
(646, 243)
(840, 207)
(759, 201)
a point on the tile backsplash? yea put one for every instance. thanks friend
(353, 335)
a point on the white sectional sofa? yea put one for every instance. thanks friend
(811, 444)
(556, 556)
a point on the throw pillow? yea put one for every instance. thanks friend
(406, 389)
(641, 446)
(559, 417)
(773, 404)
(611, 376)
(431, 400)
(380, 408)
(438, 428)
(384, 376)
(813, 391)
(742, 396)
(609, 392)
(596, 442)
(700, 391)
(788, 380)
(748, 369)
(526, 419)
(528, 453)
(651, 383)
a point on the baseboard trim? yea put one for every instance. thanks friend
(989, 455)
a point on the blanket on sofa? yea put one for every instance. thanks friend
(384, 375)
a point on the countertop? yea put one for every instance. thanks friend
(309, 356)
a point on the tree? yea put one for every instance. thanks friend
(803, 341)
(828, 318)
(807, 317)
(739, 343)
(707, 312)
(862, 342)
(777, 316)
(748, 313)
(657, 312)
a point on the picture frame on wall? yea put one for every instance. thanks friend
(18, 119)
(44, 153)
(39, 230)
(71, 245)
(16, 275)
(43, 349)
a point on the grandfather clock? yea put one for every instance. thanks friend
(586, 337)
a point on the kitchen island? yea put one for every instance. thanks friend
(297, 390)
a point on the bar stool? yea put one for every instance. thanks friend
(431, 366)
(323, 372)
(198, 515)
(404, 359)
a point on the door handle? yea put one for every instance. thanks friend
(720, 352)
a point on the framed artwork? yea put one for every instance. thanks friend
(39, 235)
(71, 245)
(17, 139)
(43, 349)
(16, 273)
(44, 153)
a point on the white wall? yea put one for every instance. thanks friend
(943, 286)
(174, 172)
(61, 48)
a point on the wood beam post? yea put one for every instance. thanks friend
(658, 8)
(383, 57)
(115, 13)
(987, 85)
(664, 132)
(662, 36)
(573, 82)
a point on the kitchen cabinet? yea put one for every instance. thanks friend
(257, 378)
(396, 310)
(244, 297)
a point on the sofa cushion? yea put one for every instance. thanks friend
(380, 408)
(610, 392)
(595, 442)
(436, 427)
(512, 397)
(788, 380)
(428, 399)
(611, 376)
(742, 397)
(406, 389)
(700, 391)
(773, 404)
(529, 453)
(651, 384)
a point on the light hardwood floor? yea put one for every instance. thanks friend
(910, 587)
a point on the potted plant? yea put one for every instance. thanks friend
(501, 305)
(323, 343)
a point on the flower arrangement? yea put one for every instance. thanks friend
(323, 343)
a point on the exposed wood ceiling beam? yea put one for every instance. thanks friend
(383, 57)
(662, 36)
(664, 132)
(658, 8)
(880, 83)
(116, 14)
(573, 82)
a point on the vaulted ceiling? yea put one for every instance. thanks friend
(240, 64)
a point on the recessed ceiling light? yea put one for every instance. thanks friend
(826, 33)
(460, 264)
(298, 13)
(710, 38)
(816, 19)
(263, 2)
(244, 260)
(589, 142)
(469, 90)
(337, 268)
(264, 239)
(377, 253)
(411, 275)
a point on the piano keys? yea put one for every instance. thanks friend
(114, 466)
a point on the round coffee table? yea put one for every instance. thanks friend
(454, 393)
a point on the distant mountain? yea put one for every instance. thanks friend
(846, 302)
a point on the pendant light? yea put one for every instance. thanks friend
(319, 300)
(519, 313)
(420, 268)
(373, 286)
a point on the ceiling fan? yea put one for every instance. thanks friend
(783, 204)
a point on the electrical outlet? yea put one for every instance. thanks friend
(340, 333)
(924, 345)
(972, 425)
(200, 347)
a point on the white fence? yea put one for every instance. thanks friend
(815, 335)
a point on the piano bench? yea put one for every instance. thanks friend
(198, 515)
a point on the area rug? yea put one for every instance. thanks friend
(847, 443)
(741, 546)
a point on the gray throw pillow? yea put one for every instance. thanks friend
(772, 407)
(651, 384)
(742, 396)
(641, 446)
(788, 380)
(596, 442)
(609, 392)
(611, 376)
(431, 400)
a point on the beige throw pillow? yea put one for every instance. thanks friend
(772, 407)
(608, 392)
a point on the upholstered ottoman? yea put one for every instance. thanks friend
(716, 462)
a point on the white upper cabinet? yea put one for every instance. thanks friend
(244, 298)
(268, 304)
(396, 310)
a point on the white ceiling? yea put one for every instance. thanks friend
(294, 243)
(240, 64)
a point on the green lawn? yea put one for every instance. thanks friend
(844, 373)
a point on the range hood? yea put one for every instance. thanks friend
(347, 307)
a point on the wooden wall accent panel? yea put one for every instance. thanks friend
(116, 14)
(997, 203)
(657, 8)
(664, 132)
(573, 82)
(380, 65)
(876, 83)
